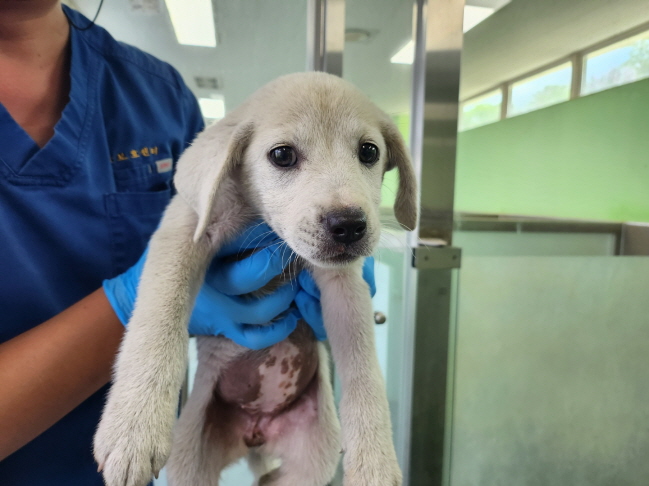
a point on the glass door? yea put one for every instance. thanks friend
(550, 349)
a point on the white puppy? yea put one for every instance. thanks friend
(307, 153)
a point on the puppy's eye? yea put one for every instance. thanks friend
(283, 156)
(368, 153)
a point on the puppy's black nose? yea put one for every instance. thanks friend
(346, 225)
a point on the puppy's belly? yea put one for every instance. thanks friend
(268, 381)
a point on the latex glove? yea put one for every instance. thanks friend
(253, 273)
(219, 309)
(307, 299)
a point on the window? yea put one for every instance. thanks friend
(620, 63)
(481, 111)
(544, 89)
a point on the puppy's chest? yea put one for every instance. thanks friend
(269, 380)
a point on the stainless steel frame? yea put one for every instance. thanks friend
(635, 239)
(631, 239)
(436, 258)
(433, 138)
(441, 81)
(325, 36)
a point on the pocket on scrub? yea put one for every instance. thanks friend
(133, 217)
(139, 175)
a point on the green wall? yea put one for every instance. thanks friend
(587, 158)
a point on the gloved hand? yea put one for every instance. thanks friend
(220, 311)
(254, 272)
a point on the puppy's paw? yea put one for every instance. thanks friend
(372, 468)
(130, 450)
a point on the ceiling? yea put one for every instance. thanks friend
(528, 34)
(259, 40)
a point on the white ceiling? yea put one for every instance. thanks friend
(528, 34)
(259, 40)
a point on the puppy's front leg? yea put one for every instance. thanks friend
(133, 439)
(370, 459)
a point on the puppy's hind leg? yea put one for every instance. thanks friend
(206, 438)
(260, 464)
(306, 438)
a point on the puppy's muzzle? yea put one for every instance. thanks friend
(346, 226)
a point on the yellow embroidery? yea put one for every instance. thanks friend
(134, 154)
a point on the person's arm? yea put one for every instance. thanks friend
(50, 369)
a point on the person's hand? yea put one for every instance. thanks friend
(256, 271)
(253, 273)
(219, 307)
(253, 322)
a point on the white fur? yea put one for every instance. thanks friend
(225, 180)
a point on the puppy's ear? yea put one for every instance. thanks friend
(206, 165)
(406, 203)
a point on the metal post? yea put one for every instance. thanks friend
(325, 35)
(434, 137)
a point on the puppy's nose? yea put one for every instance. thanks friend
(346, 225)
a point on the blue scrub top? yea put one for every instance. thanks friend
(81, 209)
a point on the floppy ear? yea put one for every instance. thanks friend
(406, 203)
(207, 163)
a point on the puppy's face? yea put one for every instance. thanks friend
(307, 153)
(314, 169)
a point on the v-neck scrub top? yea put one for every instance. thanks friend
(81, 209)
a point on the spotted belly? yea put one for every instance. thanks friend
(268, 381)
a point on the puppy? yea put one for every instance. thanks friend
(307, 153)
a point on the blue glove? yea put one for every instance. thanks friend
(257, 270)
(219, 309)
